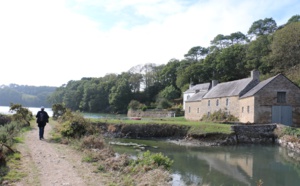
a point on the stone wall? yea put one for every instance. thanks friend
(153, 113)
(254, 133)
(267, 97)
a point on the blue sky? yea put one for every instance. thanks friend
(50, 42)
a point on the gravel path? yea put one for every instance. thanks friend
(51, 164)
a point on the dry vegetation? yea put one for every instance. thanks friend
(147, 169)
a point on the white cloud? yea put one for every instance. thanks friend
(46, 43)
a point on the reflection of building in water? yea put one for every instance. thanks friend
(244, 163)
(239, 168)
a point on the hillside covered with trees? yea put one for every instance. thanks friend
(270, 48)
(29, 96)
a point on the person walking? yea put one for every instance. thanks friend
(42, 119)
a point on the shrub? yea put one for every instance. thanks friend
(4, 119)
(92, 142)
(219, 116)
(163, 104)
(134, 104)
(73, 129)
(74, 125)
(58, 110)
(291, 131)
(153, 160)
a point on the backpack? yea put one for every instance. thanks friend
(41, 117)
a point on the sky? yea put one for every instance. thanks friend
(51, 42)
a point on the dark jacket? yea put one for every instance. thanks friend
(42, 118)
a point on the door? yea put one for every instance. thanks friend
(282, 114)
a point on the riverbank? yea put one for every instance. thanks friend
(186, 135)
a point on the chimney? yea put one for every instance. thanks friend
(255, 74)
(214, 83)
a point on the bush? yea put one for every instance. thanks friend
(163, 104)
(4, 119)
(291, 131)
(92, 142)
(153, 160)
(219, 116)
(74, 125)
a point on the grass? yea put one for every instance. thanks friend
(14, 165)
(196, 127)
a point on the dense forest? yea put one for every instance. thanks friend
(29, 96)
(267, 47)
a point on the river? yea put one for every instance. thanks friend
(230, 165)
(34, 110)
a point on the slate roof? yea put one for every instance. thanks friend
(231, 88)
(198, 87)
(197, 97)
(259, 86)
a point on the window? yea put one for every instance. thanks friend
(189, 109)
(248, 109)
(281, 97)
(217, 102)
(227, 101)
(197, 110)
(208, 102)
(208, 114)
(242, 109)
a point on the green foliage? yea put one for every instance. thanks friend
(153, 160)
(75, 126)
(163, 103)
(4, 119)
(219, 116)
(135, 105)
(30, 96)
(196, 53)
(291, 131)
(58, 110)
(120, 96)
(170, 93)
(293, 19)
(285, 47)
(263, 27)
(21, 115)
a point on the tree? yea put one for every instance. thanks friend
(168, 74)
(219, 42)
(293, 19)
(237, 38)
(257, 54)
(120, 96)
(21, 114)
(170, 93)
(262, 27)
(286, 47)
(58, 110)
(196, 53)
(229, 63)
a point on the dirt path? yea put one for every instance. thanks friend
(51, 164)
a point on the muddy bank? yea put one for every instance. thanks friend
(181, 134)
(143, 130)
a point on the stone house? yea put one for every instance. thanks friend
(275, 100)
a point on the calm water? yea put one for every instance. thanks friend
(232, 166)
(34, 110)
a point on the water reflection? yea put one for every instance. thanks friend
(240, 165)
